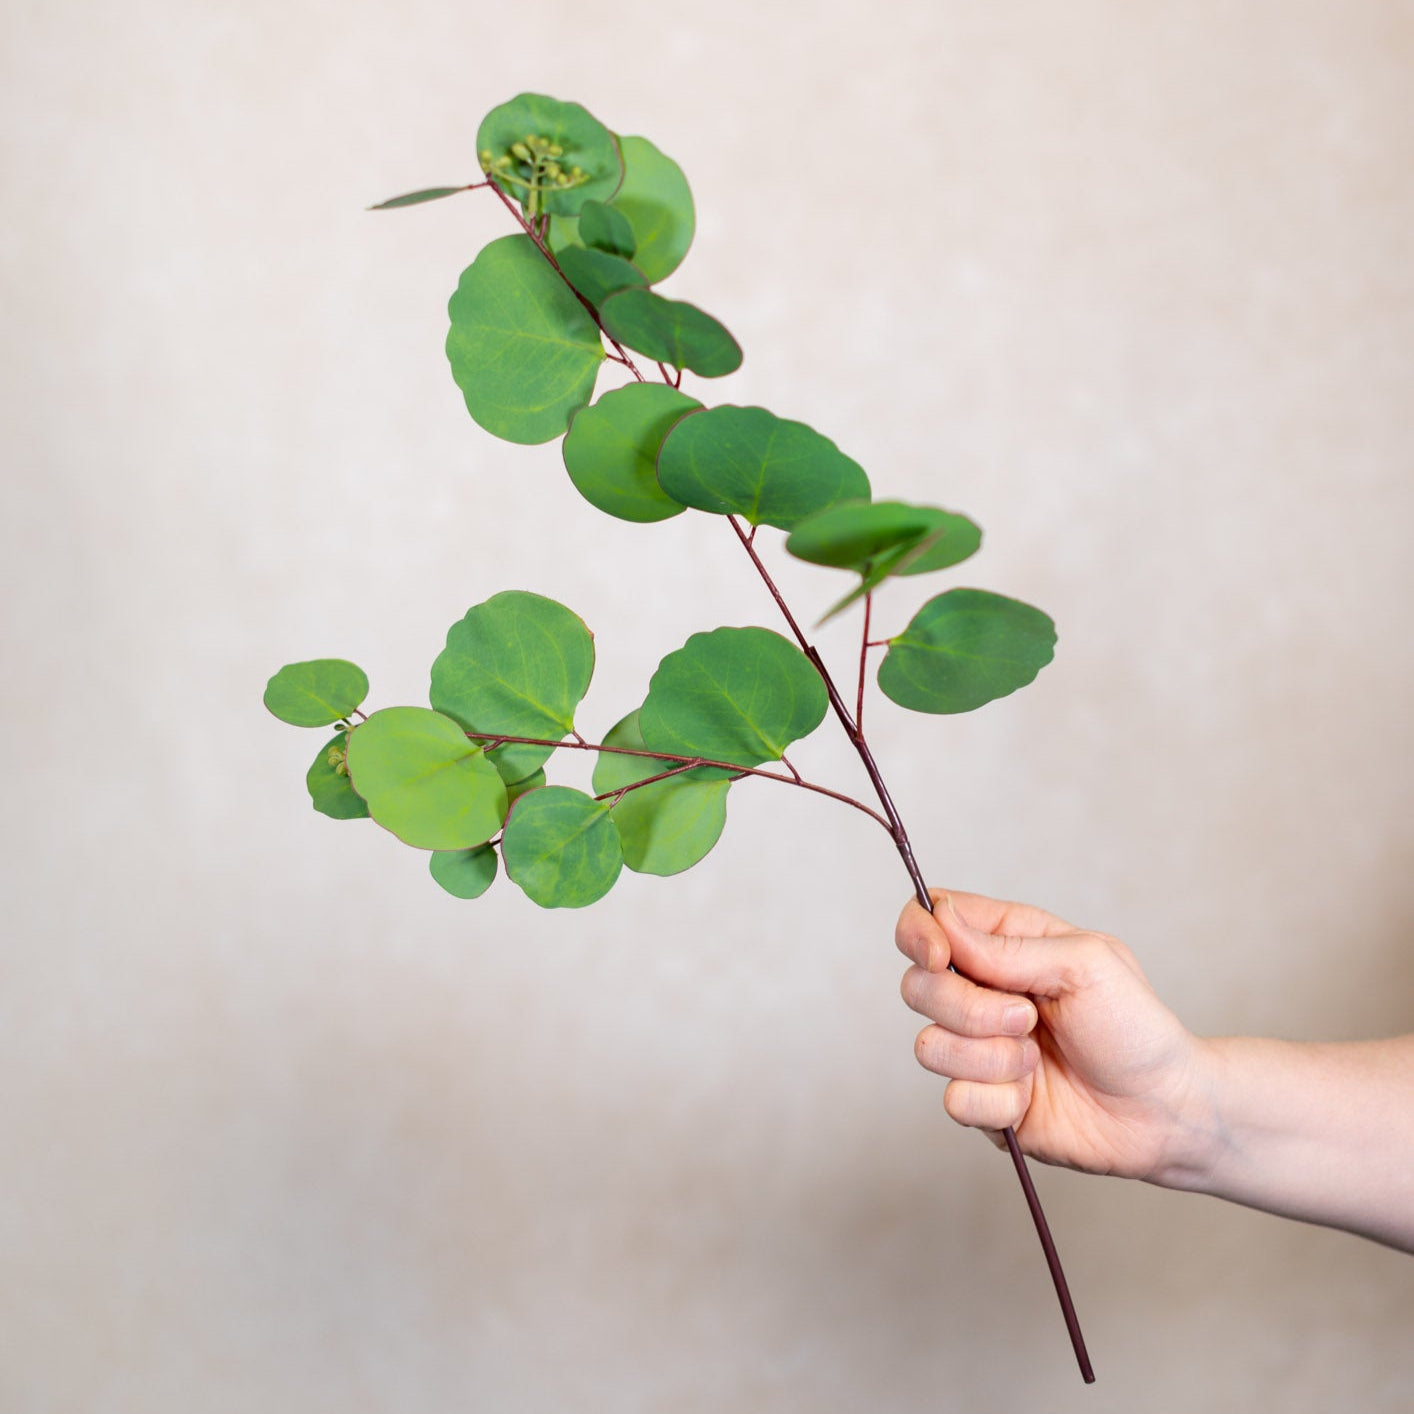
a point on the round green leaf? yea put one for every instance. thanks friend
(966, 648)
(562, 848)
(658, 203)
(516, 665)
(604, 228)
(670, 331)
(512, 141)
(416, 198)
(330, 788)
(464, 873)
(611, 450)
(749, 462)
(524, 351)
(856, 534)
(734, 694)
(516, 789)
(317, 693)
(424, 781)
(668, 826)
(596, 274)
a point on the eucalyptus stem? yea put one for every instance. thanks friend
(904, 846)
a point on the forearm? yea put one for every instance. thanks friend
(1323, 1133)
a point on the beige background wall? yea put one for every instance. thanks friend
(284, 1128)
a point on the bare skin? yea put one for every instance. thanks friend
(1065, 1040)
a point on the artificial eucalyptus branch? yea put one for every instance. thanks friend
(601, 220)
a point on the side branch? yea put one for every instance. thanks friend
(683, 763)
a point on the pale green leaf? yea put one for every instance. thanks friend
(424, 780)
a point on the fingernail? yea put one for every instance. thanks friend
(925, 961)
(1018, 1019)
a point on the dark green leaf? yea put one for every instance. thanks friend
(516, 665)
(597, 275)
(734, 694)
(749, 462)
(416, 198)
(511, 143)
(603, 228)
(855, 534)
(423, 779)
(330, 788)
(668, 826)
(883, 538)
(966, 648)
(562, 848)
(524, 351)
(611, 451)
(317, 693)
(656, 199)
(464, 873)
(670, 331)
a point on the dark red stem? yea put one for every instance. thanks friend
(910, 863)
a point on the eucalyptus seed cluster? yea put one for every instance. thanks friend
(534, 165)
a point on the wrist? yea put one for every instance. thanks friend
(1195, 1135)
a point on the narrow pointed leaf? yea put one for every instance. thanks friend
(464, 873)
(611, 450)
(585, 142)
(746, 461)
(606, 228)
(562, 848)
(416, 198)
(966, 648)
(668, 826)
(597, 275)
(330, 789)
(657, 201)
(516, 665)
(316, 693)
(734, 694)
(423, 779)
(671, 331)
(524, 351)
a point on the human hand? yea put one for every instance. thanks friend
(1059, 1035)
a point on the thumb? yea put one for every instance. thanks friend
(1036, 966)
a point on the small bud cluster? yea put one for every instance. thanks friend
(534, 165)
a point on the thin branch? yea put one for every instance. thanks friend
(863, 662)
(686, 763)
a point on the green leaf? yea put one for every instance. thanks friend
(524, 351)
(317, 693)
(734, 694)
(855, 534)
(749, 462)
(329, 788)
(658, 203)
(668, 826)
(879, 539)
(516, 789)
(562, 848)
(416, 198)
(603, 228)
(511, 140)
(464, 873)
(670, 331)
(966, 648)
(597, 275)
(611, 450)
(424, 781)
(516, 665)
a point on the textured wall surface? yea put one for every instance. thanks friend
(282, 1127)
